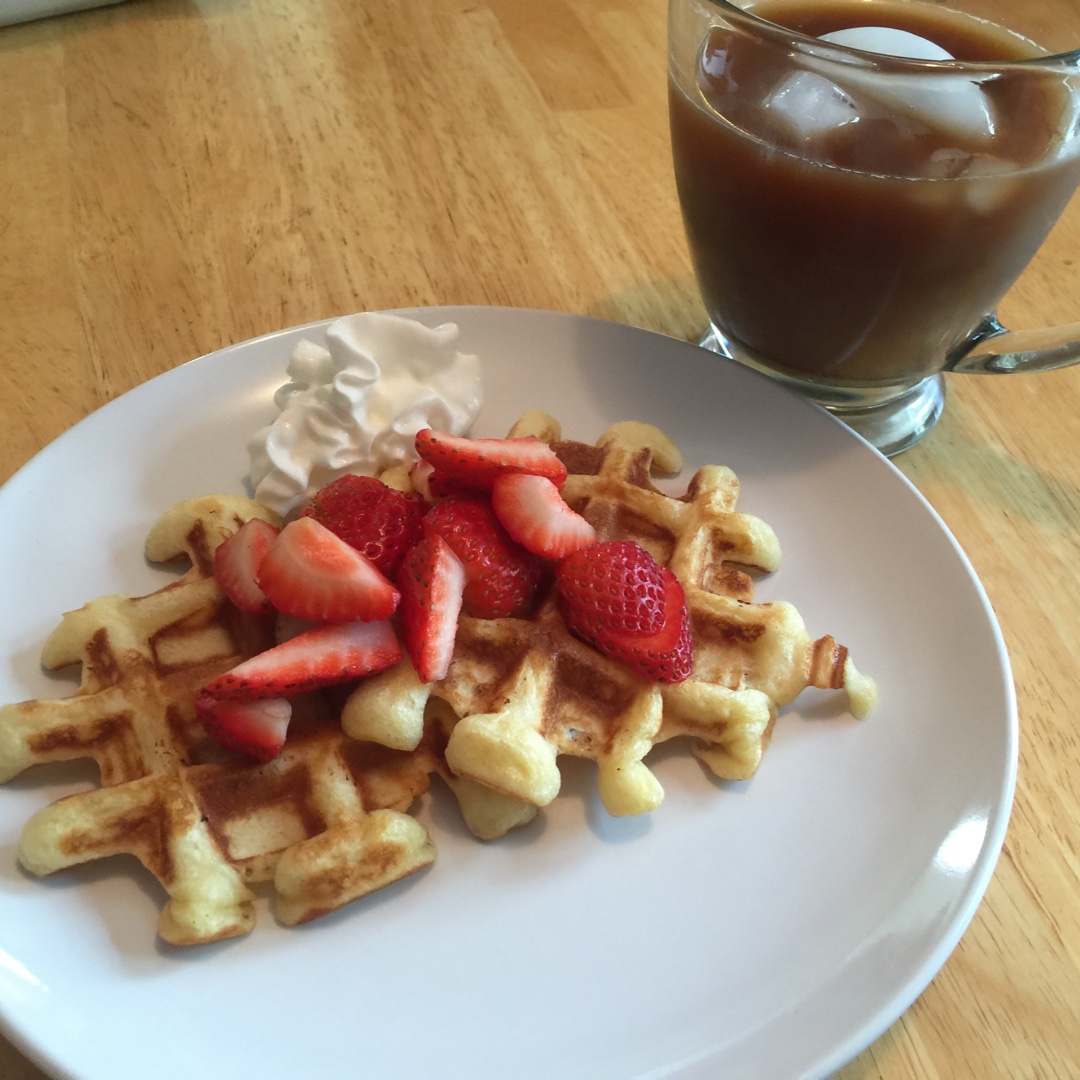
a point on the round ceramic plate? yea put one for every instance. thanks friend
(767, 929)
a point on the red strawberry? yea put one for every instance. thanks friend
(312, 573)
(254, 728)
(665, 656)
(501, 577)
(533, 512)
(381, 523)
(432, 580)
(668, 655)
(475, 463)
(322, 656)
(431, 484)
(440, 485)
(236, 563)
(615, 587)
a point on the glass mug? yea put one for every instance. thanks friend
(854, 215)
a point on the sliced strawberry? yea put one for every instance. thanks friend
(322, 656)
(475, 463)
(432, 581)
(665, 656)
(430, 483)
(314, 574)
(254, 728)
(615, 587)
(440, 485)
(380, 522)
(501, 577)
(419, 473)
(533, 512)
(236, 563)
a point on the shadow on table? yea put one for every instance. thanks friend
(962, 458)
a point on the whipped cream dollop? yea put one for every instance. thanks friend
(355, 405)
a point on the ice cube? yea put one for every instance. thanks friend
(807, 104)
(954, 103)
(948, 163)
(888, 42)
(991, 182)
(984, 181)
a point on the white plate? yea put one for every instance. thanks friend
(770, 929)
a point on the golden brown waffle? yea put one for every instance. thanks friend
(324, 821)
(526, 690)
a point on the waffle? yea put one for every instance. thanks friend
(324, 821)
(524, 691)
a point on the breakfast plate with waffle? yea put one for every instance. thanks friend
(769, 922)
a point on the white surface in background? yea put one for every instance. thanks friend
(18, 11)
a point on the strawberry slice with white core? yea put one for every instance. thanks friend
(311, 573)
(419, 473)
(475, 463)
(432, 581)
(254, 728)
(237, 561)
(432, 484)
(533, 512)
(325, 655)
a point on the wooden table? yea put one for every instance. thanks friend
(177, 175)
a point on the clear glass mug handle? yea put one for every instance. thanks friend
(993, 349)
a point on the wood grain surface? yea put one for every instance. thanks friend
(179, 175)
